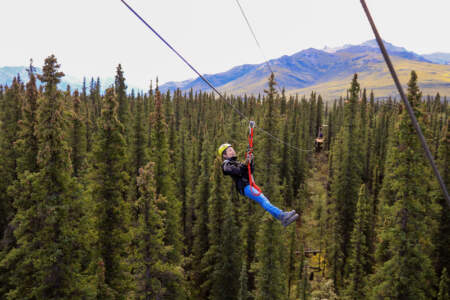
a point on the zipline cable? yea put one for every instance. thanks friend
(180, 56)
(206, 80)
(254, 35)
(406, 102)
(266, 61)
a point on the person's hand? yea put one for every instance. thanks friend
(248, 159)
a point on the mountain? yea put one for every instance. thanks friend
(438, 58)
(329, 72)
(372, 46)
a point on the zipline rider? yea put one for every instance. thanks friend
(243, 179)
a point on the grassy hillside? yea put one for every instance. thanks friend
(328, 73)
(433, 78)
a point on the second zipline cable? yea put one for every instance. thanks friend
(254, 35)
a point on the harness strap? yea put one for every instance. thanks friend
(249, 152)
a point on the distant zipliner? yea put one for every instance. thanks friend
(318, 142)
(244, 181)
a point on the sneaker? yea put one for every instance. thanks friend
(287, 218)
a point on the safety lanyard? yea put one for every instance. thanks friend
(250, 152)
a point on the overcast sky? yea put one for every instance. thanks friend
(90, 37)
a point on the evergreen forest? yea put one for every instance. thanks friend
(111, 193)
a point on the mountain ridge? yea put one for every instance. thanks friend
(327, 71)
(324, 69)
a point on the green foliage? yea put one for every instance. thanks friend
(50, 226)
(201, 229)
(248, 238)
(221, 261)
(109, 187)
(244, 294)
(360, 261)
(404, 269)
(184, 190)
(164, 186)
(27, 144)
(303, 286)
(325, 291)
(151, 254)
(123, 109)
(78, 138)
(270, 251)
(442, 235)
(84, 215)
(139, 153)
(444, 286)
(26, 147)
(9, 116)
(292, 260)
(270, 278)
(346, 180)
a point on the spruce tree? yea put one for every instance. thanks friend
(27, 144)
(151, 265)
(383, 128)
(248, 237)
(200, 229)
(165, 187)
(363, 135)
(346, 179)
(303, 286)
(333, 255)
(139, 154)
(270, 251)
(404, 269)
(88, 113)
(123, 110)
(222, 257)
(27, 148)
(184, 191)
(77, 138)
(109, 183)
(284, 168)
(370, 145)
(10, 115)
(292, 260)
(444, 286)
(50, 224)
(442, 235)
(298, 163)
(244, 293)
(360, 258)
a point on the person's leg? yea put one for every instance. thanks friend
(263, 201)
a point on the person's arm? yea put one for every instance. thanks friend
(231, 169)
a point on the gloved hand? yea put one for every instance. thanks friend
(248, 159)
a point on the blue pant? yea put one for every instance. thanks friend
(263, 201)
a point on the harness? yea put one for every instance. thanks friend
(250, 152)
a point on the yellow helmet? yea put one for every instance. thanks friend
(222, 148)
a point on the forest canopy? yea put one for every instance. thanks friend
(120, 194)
